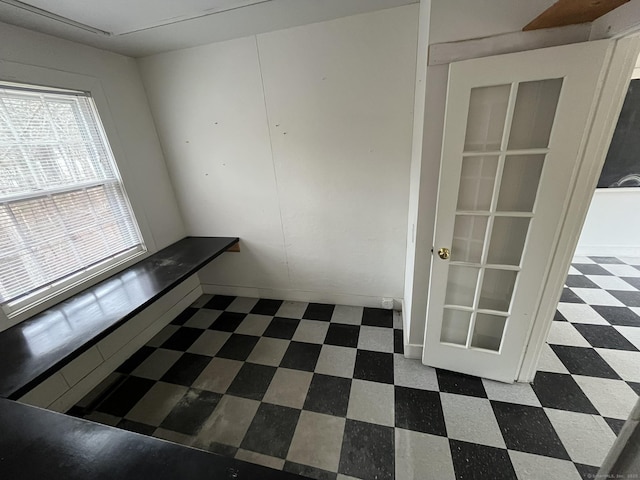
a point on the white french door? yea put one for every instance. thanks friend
(513, 131)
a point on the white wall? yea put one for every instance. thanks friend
(128, 120)
(297, 141)
(612, 227)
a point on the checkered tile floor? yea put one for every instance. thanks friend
(324, 390)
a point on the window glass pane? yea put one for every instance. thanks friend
(534, 113)
(455, 326)
(477, 178)
(487, 332)
(507, 240)
(468, 238)
(497, 289)
(487, 113)
(63, 209)
(519, 184)
(461, 286)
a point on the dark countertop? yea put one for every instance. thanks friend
(39, 444)
(35, 348)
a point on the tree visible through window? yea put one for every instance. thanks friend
(63, 212)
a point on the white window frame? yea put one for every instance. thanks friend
(45, 77)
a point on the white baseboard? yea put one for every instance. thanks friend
(299, 295)
(608, 251)
(413, 351)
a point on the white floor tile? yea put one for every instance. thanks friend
(422, 456)
(579, 259)
(471, 419)
(574, 271)
(564, 333)
(549, 361)
(581, 313)
(622, 270)
(371, 402)
(587, 438)
(410, 372)
(336, 361)
(626, 364)
(242, 305)
(610, 283)
(612, 398)
(630, 260)
(521, 393)
(203, 318)
(347, 314)
(376, 339)
(595, 296)
(535, 467)
(311, 331)
(630, 333)
(292, 309)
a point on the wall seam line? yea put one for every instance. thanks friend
(273, 163)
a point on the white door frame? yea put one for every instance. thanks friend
(605, 111)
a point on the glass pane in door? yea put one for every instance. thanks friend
(468, 238)
(519, 184)
(487, 332)
(477, 178)
(497, 289)
(455, 326)
(507, 240)
(461, 286)
(487, 114)
(534, 113)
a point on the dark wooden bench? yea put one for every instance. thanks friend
(37, 348)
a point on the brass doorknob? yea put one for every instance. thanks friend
(444, 253)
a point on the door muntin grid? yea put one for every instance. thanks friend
(502, 165)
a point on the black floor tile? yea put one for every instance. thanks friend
(453, 382)
(398, 341)
(271, 430)
(377, 317)
(607, 260)
(367, 451)
(342, 335)
(579, 281)
(474, 461)
(283, 328)
(228, 321)
(584, 361)
(238, 347)
(184, 316)
(590, 269)
(620, 316)
(222, 449)
(141, 428)
(319, 311)
(628, 298)
(587, 472)
(604, 336)
(615, 423)
(419, 410)
(633, 281)
(267, 306)
(569, 297)
(558, 317)
(252, 381)
(301, 356)
(309, 472)
(528, 429)
(219, 302)
(123, 398)
(182, 339)
(560, 391)
(131, 363)
(635, 386)
(191, 411)
(186, 369)
(328, 394)
(374, 366)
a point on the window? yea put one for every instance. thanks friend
(64, 215)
